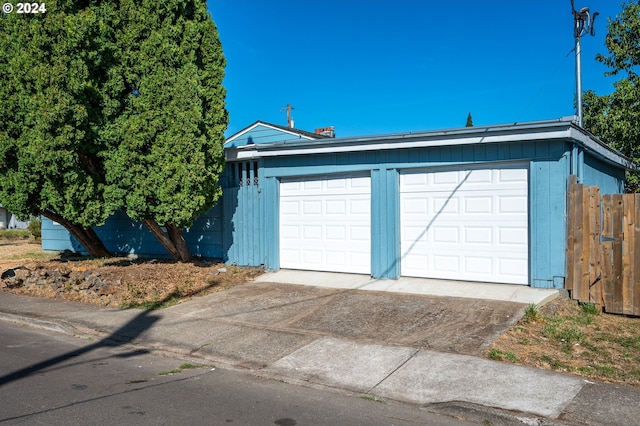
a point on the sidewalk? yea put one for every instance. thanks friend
(417, 349)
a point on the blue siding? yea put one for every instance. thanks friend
(547, 203)
(599, 173)
(262, 135)
(385, 223)
(243, 241)
(121, 235)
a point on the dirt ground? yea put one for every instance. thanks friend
(135, 282)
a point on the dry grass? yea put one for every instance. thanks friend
(134, 283)
(578, 339)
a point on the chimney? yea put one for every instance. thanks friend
(326, 131)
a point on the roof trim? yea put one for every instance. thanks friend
(563, 128)
(297, 133)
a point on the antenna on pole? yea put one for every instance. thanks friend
(289, 108)
(582, 24)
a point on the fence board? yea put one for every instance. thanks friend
(571, 225)
(636, 260)
(628, 276)
(603, 248)
(595, 275)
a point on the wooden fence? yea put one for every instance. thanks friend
(603, 249)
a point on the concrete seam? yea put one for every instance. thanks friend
(402, 364)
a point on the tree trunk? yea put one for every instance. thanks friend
(166, 242)
(177, 238)
(87, 237)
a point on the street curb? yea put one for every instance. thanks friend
(38, 323)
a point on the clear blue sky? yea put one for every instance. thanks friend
(373, 66)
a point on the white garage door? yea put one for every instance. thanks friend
(465, 225)
(325, 224)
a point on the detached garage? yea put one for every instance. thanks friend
(485, 203)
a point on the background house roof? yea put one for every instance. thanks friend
(262, 132)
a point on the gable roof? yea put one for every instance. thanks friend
(262, 132)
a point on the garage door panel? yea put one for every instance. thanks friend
(334, 222)
(474, 226)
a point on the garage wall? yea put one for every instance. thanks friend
(548, 171)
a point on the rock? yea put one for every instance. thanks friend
(15, 277)
(9, 273)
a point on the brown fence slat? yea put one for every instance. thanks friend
(595, 274)
(628, 246)
(571, 238)
(603, 248)
(578, 247)
(616, 273)
(607, 249)
(636, 257)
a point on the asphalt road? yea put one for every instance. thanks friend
(51, 378)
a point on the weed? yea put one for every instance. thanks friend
(531, 313)
(605, 370)
(14, 234)
(524, 341)
(569, 335)
(628, 342)
(556, 364)
(168, 373)
(371, 398)
(591, 309)
(188, 366)
(498, 355)
(585, 370)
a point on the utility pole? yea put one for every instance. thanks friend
(582, 24)
(289, 108)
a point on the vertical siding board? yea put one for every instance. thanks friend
(557, 226)
(393, 220)
(540, 223)
(377, 245)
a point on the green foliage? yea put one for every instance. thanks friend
(167, 137)
(591, 309)
(35, 227)
(14, 234)
(499, 355)
(49, 68)
(111, 105)
(531, 313)
(615, 118)
(469, 121)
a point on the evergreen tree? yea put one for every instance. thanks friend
(112, 105)
(51, 67)
(469, 121)
(167, 134)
